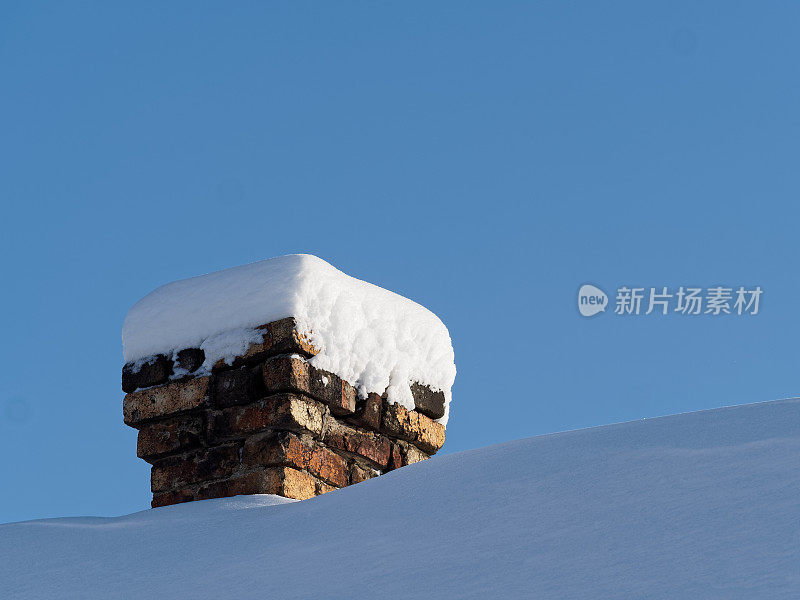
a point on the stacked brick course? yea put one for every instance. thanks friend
(270, 423)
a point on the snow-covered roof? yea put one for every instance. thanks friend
(698, 506)
(373, 338)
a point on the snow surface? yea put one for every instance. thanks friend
(371, 337)
(698, 506)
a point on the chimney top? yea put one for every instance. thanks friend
(285, 377)
(375, 339)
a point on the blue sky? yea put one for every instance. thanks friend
(483, 159)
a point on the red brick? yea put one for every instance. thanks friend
(404, 454)
(237, 386)
(284, 411)
(294, 374)
(168, 436)
(323, 488)
(286, 374)
(279, 337)
(167, 498)
(164, 400)
(414, 427)
(367, 444)
(237, 485)
(331, 389)
(288, 449)
(175, 472)
(370, 412)
(282, 481)
(283, 337)
(153, 371)
(294, 484)
(359, 473)
(396, 459)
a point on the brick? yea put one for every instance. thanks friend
(172, 497)
(414, 427)
(366, 444)
(174, 472)
(286, 374)
(331, 389)
(292, 483)
(293, 374)
(396, 459)
(283, 411)
(237, 386)
(427, 401)
(323, 488)
(284, 338)
(370, 412)
(190, 359)
(278, 337)
(284, 448)
(282, 481)
(174, 397)
(296, 413)
(412, 455)
(247, 483)
(155, 371)
(404, 454)
(171, 435)
(359, 473)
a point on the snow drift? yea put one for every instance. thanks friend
(373, 338)
(698, 506)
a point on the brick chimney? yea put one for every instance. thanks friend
(268, 422)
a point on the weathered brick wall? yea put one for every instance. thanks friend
(270, 423)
